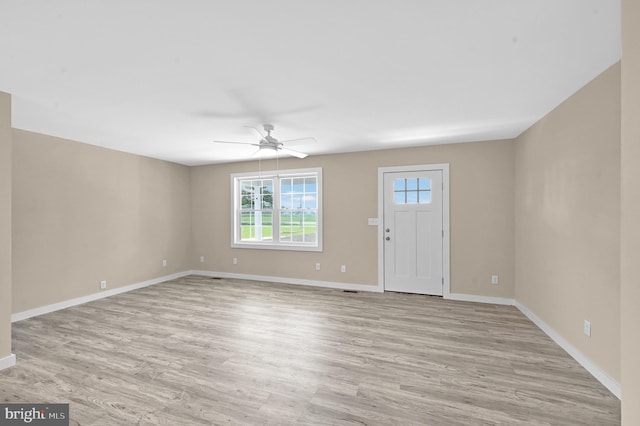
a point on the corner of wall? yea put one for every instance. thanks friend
(117, 217)
(6, 358)
(630, 211)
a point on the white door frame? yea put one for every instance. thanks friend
(444, 167)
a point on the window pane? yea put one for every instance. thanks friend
(297, 201)
(245, 225)
(399, 185)
(412, 184)
(247, 194)
(267, 225)
(310, 218)
(245, 186)
(255, 186)
(246, 200)
(267, 231)
(310, 234)
(412, 197)
(425, 197)
(310, 201)
(297, 230)
(285, 226)
(398, 197)
(310, 184)
(267, 194)
(425, 183)
(285, 186)
(310, 227)
(248, 226)
(286, 201)
(298, 185)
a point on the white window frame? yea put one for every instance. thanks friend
(276, 176)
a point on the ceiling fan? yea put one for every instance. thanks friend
(268, 143)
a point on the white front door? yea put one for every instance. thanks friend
(413, 232)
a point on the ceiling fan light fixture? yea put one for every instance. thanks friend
(265, 152)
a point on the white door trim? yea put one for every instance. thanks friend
(444, 167)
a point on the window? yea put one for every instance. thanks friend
(277, 210)
(412, 191)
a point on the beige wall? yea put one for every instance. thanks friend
(5, 225)
(567, 219)
(481, 219)
(82, 214)
(630, 225)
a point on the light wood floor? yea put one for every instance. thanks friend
(202, 351)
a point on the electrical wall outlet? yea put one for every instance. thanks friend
(494, 279)
(103, 284)
(201, 259)
(343, 268)
(317, 266)
(587, 328)
(235, 260)
(164, 262)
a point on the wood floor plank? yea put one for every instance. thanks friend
(198, 351)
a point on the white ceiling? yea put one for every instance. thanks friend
(165, 78)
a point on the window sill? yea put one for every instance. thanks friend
(267, 246)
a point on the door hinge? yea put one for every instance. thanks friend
(443, 281)
(443, 233)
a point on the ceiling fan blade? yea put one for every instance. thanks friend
(293, 153)
(265, 153)
(238, 143)
(300, 141)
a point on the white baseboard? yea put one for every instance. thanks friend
(606, 380)
(282, 280)
(480, 299)
(7, 361)
(595, 371)
(91, 297)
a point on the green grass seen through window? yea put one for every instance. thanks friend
(293, 226)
